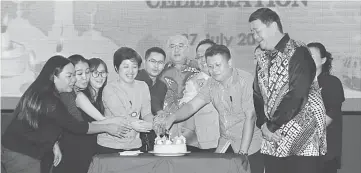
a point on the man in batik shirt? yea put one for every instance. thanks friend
(175, 75)
(288, 102)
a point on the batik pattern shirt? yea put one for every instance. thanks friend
(175, 80)
(305, 134)
(282, 92)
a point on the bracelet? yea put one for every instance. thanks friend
(243, 153)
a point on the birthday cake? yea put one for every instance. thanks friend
(166, 145)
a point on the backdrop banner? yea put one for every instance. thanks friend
(33, 31)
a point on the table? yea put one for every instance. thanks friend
(190, 163)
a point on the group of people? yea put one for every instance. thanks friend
(287, 118)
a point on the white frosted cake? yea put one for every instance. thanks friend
(164, 145)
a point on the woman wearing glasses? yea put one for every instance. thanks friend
(78, 150)
(90, 100)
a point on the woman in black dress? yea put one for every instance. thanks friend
(90, 100)
(40, 117)
(332, 96)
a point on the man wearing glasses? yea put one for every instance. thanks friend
(175, 75)
(154, 65)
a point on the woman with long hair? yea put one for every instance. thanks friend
(41, 117)
(332, 96)
(78, 149)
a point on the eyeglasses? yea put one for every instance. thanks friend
(156, 62)
(97, 73)
(179, 46)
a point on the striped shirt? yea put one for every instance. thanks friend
(232, 102)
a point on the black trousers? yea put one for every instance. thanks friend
(293, 164)
(147, 141)
(330, 166)
(256, 161)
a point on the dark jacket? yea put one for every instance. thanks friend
(157, 91)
